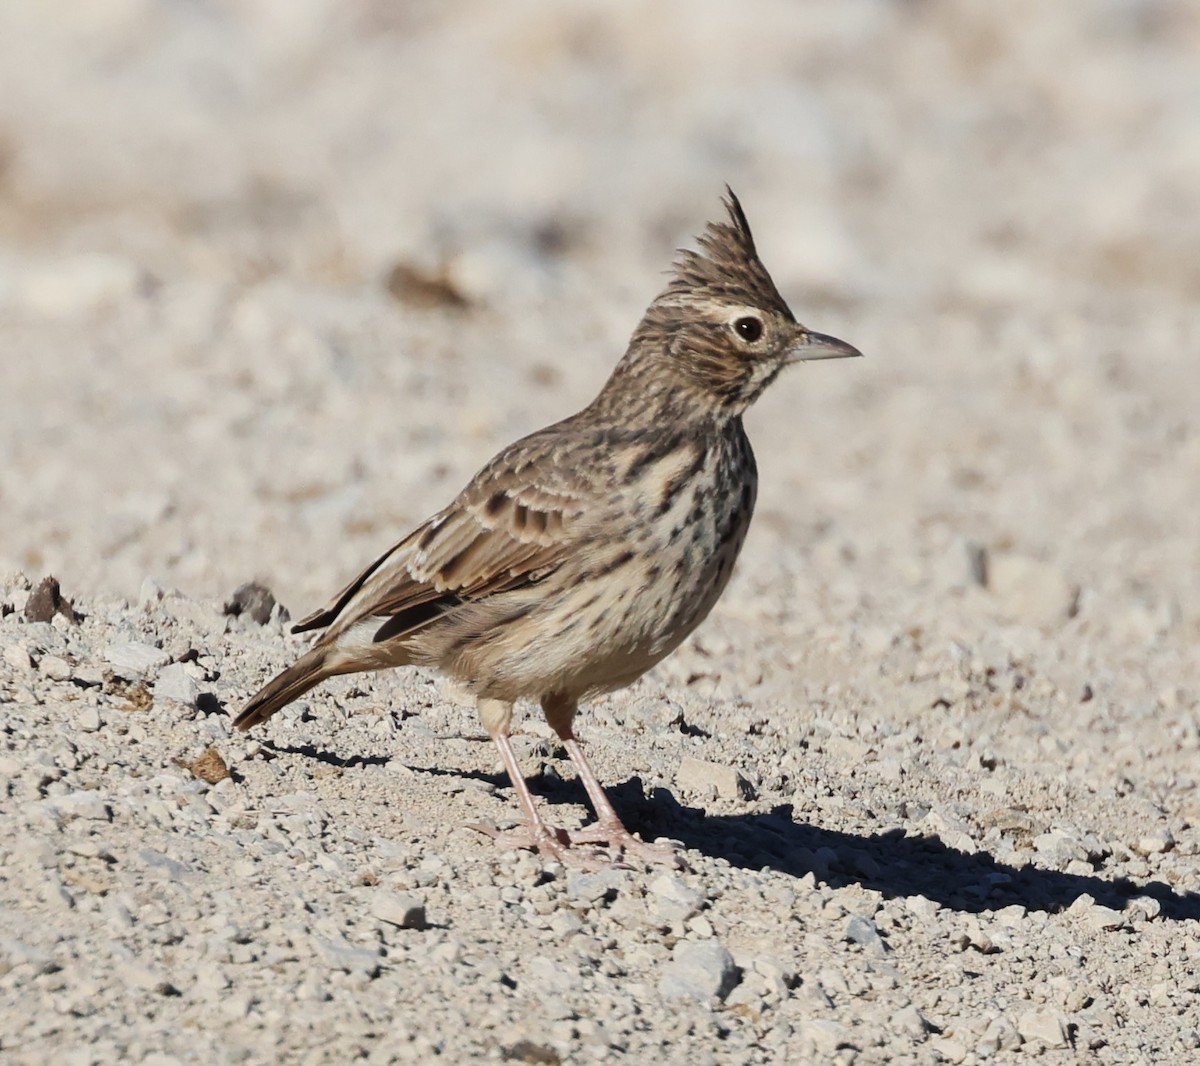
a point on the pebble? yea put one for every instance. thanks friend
(592, 888)
(82, 803)
(1155, 843)
(175, 683)
(862, 931)
(949, 1049)
(17, 657)
(1047, 1027)
(340, 954)
(1059, 848)
(134, 660)
(55, 668)
(673, 899)
(253, 600)
(1000, 1035)
(1095, 915)
(1030, 590)
(135, 974)
(88, 719)
(73, 285)
(699, 969)
(17, 953)
(825, 1034)
(700, 778)
(911, 1022)
(398, 909)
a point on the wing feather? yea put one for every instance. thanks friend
(495, 537)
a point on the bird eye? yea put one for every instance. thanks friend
(748, 328)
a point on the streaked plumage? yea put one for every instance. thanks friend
(584, 553)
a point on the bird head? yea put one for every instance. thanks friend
(721, 323)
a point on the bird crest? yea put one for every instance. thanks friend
(725, 270)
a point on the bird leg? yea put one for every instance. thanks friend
(609, 829)
(536, 834)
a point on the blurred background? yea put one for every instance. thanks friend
(276, 277)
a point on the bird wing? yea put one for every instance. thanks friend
(505, 530)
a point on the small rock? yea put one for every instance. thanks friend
(88, 719)
(254, 600)
(860, 930)
(1154, 843)
(911, 1022)
(1047, 1027)
(135, 660)
(702, 970)
(17, 953)
(138, 975)
(1105, 918)
(699, 777)
(1000, 1035)
(1059, 848)
(340, 954)
(1145, 906)
(530, 1052)
(82, 803)
(949, 1049)
(592, 888)
(207, 766)
(55, 668)
(175, 683)
(80, 284)
(1030, 590)
(150, 593)
(825, 1034)
(398, 909)
(46, 601)
(413, 285)
(674, 899)
(17, 657)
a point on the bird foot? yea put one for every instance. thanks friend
(550, 843)
(622, 841)
(570, 847)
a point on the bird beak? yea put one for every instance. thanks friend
(809, 346)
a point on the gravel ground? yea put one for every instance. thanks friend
(276, 278)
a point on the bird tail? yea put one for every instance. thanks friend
(308, 671)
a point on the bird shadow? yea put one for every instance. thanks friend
(892, 863)
(310, 751)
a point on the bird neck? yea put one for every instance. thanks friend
(648, 388)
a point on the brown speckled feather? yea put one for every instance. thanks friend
(512, 526)
(583, 554)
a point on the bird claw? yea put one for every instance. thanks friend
(549, 842)
(564, 846)
(618, 838)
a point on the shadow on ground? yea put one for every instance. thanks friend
(892, 863)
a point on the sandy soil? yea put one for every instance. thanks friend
(275, 278)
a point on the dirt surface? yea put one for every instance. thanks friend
(276, 278)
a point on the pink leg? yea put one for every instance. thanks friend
(536, 835)
(609, 829)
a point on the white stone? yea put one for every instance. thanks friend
(703, 970)
(133, 659)
(698, 777)
(1048, 1027)
(176, 683)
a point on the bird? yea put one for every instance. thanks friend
(584, 553)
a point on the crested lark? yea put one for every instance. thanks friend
(583, 554)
